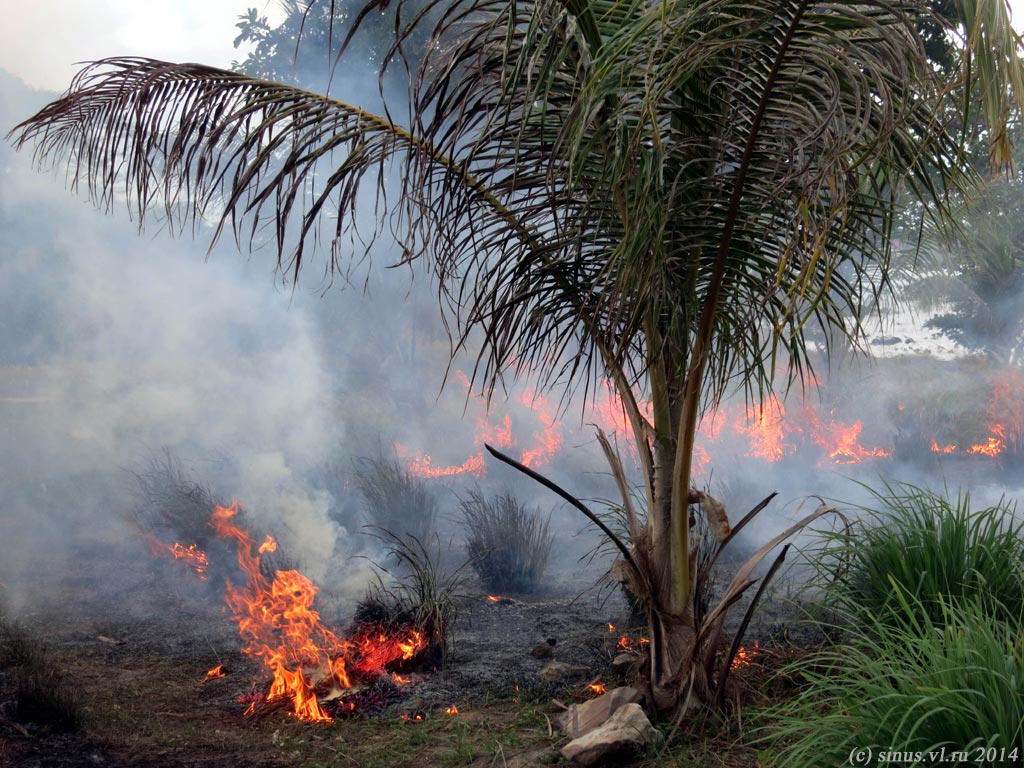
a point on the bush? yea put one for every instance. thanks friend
(396, 501)
(36, 691)
(418, 595)
(168, 498)
(909, 685)
(938, 551)
(508, 544)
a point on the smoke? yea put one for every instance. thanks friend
(116, 345)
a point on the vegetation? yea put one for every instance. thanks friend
(32, 690)
(915, 549)
(169, 498)
(395, 500)
(418, 593)
(908, 685)
(667, 195)
(508, 544)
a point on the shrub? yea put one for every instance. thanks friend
(417, 594)
(396, 501)
(508, 544)
(937, 550)
(169, 498)
(37, 692)
(909, 685)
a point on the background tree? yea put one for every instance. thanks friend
(666, 194)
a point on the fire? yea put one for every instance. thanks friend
(995, 444)
(843, 444)
(277, 621)
(744, 656)
(191, 555)
(494, 598)
(452, 710)
(611, 627)
(936, 448)
(550, 438)
(764, 428)
(214, 673)
(400, 679)
(268, 545)
(597, 688)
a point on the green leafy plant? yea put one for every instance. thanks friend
(933, 547)
(507, 543)
(909, 685)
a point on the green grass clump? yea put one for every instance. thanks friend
(909, 685)
(937, 550)
(508, 544)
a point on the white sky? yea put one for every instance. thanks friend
(40, 40)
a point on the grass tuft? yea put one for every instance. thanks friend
(396, 501)
(935, 549)
(508, 544)
(908, 685)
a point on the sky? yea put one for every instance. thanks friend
(41, 40)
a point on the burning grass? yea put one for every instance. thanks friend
(507, 543)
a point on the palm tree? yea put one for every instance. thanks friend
(667, 194)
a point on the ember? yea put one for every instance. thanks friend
(597, 688)
(191, 555)
(452, 710)
(744, 656)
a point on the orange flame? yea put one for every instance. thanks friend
(400, 679)
(214, 673)
(268, 545)
(452, 710)
(549, 439)
(764, 428)
(597, 688)
(936, 448)
(494, 598)
(279, 625)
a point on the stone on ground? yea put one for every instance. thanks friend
(580, 719)
(626, 733)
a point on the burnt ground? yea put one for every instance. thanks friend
(131, 638)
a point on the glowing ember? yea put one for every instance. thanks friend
(494, 598)
(277, 621)
(936, 448)
(597, 688)
(191, 555)
(413, 718)
(399, 679)
(624, 643)
(611, 627)
(214, 673)
(744, 656)
(452, 710)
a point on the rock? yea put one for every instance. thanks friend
(532, 758)
(580, 719)
(554, 671)
(625, 733)
(886, 341)
(624, 660)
